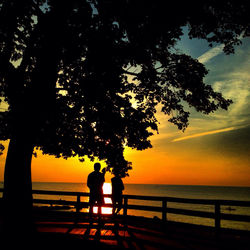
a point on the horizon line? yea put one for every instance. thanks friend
(208, 185)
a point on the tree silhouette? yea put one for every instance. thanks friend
(83, 78)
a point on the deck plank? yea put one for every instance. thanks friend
(140, 235)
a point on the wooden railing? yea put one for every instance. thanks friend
(216, 215)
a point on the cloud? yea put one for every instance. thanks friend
(207, 56)
(204, 133)
(230, 76)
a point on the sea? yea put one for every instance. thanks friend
(179, 191)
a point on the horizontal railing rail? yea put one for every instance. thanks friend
(217, 214)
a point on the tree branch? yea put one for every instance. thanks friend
(130, 73)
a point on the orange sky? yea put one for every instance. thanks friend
(184, 162)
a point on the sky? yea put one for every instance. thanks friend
(214, 149)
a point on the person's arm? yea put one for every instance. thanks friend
(122, 186)
(103, 174)
(88, 182)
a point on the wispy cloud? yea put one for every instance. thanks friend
(204, 133)
(207, 56)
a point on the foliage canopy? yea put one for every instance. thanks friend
(84, 77)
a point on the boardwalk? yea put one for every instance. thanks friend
(142, 233)
(61, 222)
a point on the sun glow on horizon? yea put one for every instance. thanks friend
(107, 189)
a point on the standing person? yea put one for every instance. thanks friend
(95, 182)
(117, 188)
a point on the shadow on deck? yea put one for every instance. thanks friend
(135, 233)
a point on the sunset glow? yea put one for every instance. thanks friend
(107, 189)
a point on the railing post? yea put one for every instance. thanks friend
(164, 210)
(78, 202)
(217, 216)
(125, 206)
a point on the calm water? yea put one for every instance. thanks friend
(199, 192)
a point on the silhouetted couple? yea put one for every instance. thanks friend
(95, 183)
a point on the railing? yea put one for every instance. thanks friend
(217, 215)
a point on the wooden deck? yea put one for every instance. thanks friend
(141, 233)
(56, 227)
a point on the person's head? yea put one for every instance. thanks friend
(97, 166)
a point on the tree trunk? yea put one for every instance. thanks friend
(17, 194)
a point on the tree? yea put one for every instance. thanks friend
(84, 77)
